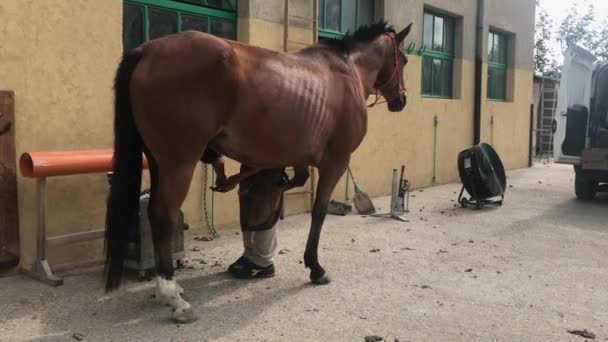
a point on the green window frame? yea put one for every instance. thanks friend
(437, 53)
(148, 19)
(336, 17)
(497, 66)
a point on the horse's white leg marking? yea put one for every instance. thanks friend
(169, 292)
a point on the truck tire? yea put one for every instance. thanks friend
(584, 187)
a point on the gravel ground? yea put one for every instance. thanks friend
(528, 271)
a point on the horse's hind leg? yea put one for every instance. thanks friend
(169, 187)
(330, 171)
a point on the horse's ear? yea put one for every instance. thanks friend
(401, 35)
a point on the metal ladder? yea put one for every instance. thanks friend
(547, 115)
(287, 43)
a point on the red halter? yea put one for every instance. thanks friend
(396, 73)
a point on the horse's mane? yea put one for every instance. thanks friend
(363, 34)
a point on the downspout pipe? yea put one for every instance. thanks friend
(479, 30)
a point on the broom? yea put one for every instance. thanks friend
(361, 200)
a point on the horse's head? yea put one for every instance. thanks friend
(390, 81)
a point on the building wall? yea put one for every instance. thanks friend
(61, 69)
(511, 127)
(59, 57)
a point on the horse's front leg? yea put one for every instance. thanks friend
(330, 171)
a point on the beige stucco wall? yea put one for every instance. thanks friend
(59, 57)
(61, 69)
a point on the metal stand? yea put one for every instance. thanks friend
(141, 255)
(478, 202)
(40, 269)
(400, 198)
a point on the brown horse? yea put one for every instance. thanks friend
(177, 95)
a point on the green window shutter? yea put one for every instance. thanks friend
(497, 66)
(149, 19)
(437, 55)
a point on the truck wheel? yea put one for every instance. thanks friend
(585, 188)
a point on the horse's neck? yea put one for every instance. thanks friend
(367, 64)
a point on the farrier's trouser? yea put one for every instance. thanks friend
(260, 206)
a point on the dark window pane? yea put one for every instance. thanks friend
(427, 39)
(321, 14)
(438, 34)
(349, 15)
(446, 84)
(222, 28)
(224, 4)
(497, 84)
(194, 22)
(491, 82)
(427, 74)
(437, 76)
(366, 12)
(490, 47)
(162, 23)
(448, 36)
(501, 85)
(497, 49)
(502, 49)
(332, 15)
(132, 26)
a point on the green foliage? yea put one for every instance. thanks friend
(543, 37)
(577, 29)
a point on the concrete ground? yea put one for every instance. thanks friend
(528, 271)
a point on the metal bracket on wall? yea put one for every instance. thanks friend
(492, 130)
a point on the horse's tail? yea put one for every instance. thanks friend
(122, 216)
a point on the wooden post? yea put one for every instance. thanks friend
(9, 210)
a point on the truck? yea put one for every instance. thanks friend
(580, 125)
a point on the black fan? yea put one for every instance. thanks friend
(482, 175)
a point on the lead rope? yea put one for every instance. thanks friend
(211, 228)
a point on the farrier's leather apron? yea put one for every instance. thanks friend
(260, 199)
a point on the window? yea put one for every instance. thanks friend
(437, 55)
(337, 17)
(497, 66)
(149, 19)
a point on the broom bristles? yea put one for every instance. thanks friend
(364, 204)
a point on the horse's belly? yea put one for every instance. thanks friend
(283, 118)
(269, 145)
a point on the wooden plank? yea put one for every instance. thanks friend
(9, 217)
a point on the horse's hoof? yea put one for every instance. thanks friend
(322, 280)
(185, 316)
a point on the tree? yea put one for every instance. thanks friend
(577, 29)
(543, 37)
(600, 43)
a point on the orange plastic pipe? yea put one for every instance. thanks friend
(47, 164)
